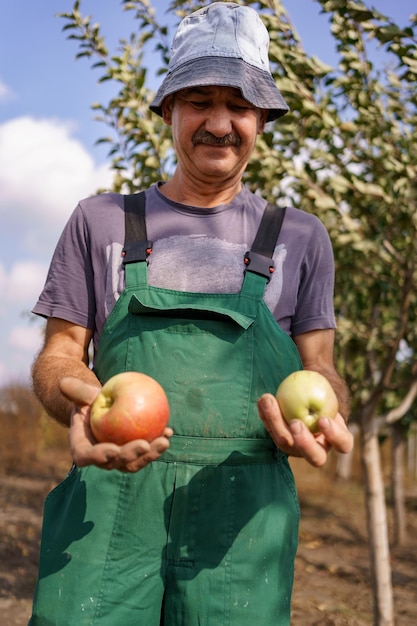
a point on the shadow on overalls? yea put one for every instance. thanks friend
(210, 509)
(66, 525)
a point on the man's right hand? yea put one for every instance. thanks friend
(131, 457)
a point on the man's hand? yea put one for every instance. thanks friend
(296, 440)
(85, 450)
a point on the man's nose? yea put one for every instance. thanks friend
(218, 121)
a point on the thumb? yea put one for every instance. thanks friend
(77, 391)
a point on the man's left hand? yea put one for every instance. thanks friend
(295, 439)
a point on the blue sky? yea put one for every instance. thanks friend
(48, 160)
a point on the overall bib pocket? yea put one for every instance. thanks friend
(202, 356)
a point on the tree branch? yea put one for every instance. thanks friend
(396, 414)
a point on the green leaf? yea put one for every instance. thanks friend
(345, 152)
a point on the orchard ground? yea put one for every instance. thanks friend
(332, 580)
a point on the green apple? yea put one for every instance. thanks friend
(129, 406)
(307, 395)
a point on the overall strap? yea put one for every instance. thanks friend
(259, 258)
(137, 247)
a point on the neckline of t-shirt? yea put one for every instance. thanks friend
(196, 211)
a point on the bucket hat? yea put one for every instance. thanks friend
(223, 44)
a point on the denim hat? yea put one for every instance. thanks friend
(223, 44)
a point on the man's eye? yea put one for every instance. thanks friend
(241, 106)
(198, 104)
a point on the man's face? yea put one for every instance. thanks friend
(214, 131)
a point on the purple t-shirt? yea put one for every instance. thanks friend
(194, 249)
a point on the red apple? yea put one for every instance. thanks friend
(129, 406)
(306, 395)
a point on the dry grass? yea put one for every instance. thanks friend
(29, 438)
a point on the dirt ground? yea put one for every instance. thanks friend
(332, 582)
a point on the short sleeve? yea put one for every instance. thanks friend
(69, 288)
(314, 308)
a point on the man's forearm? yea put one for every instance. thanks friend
(47, 371)
(341, 390)
(316, 351)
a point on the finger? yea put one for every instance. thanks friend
(274, 422)
(132, 456)
(84, 448)
(140, 447)
(313, 449)
(78, 391)
(337, 433)
(134, 452)
(152, 453)
(159, 445)
(103, 455)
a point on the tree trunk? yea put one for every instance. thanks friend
(377, 527)
(344, 461)
(412, 452)
(398, 445)
(344, 466)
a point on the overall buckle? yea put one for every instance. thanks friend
(136, 251)
(259, 264)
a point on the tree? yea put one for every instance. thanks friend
(399, 430)
(346, 152)
(139, 143)
(19, 418)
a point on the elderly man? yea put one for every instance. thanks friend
(206, 532)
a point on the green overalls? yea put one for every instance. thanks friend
(206, 535)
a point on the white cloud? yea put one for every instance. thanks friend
(26, 339)
(20, 337)
(5, 92)
(44, 171)
(19, 345)
(22, 283)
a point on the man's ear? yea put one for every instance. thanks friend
(166, 107)
(262, 120)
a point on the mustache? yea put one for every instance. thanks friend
(206, 138)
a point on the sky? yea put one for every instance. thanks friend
(48, 156)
